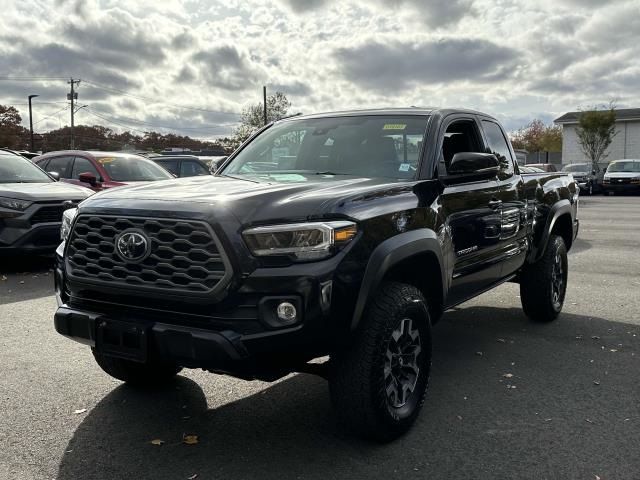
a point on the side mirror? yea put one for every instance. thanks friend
(470, 166)
(55, 176)
(89, 178)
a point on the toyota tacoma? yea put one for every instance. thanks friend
(344, 235)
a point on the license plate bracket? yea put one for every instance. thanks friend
(127, 340)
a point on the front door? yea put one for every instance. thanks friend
(473, 217)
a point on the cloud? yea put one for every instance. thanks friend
(395, 65)
(300, 6)
(228, 68)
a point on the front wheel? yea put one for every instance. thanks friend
(543, 284)
(379, 383)
(150, 373)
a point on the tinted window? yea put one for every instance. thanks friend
(61, 165)
(461, 136)
(16, 169)
(171, 165)
(190, 168)
(131, 168)
(82, 165)
(499, 146)
(363, 146)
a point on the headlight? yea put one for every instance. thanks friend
(14, 203)
(67, 219)
(300, 241)
(635, 180)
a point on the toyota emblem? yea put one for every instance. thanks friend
(132, 246)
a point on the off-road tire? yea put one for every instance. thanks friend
(537, 287)
(359, 377)
(149, 374)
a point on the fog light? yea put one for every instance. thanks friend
(287, 312)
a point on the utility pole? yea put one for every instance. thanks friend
(72, 96)
(264, 96)
(31, 121)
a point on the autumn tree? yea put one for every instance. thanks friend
(538, 137)
(11, 132)
(252, 117)
(596, 130)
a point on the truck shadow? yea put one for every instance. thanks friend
(508, 399)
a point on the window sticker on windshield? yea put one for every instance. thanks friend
(278, 152)
(394, 126)
(404, 167)
(104, 160)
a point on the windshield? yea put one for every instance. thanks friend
(15, 169)
(363, 146)
(131, 168)
(629, 166)
(576, 167)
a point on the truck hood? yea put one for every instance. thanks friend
(622, 175)
(39, 192)
(250, 201)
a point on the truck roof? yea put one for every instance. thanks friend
(390, 111)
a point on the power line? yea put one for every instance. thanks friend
(51, 116)
(141, 122)
(29, 78)
(141, 97)
(114, 122)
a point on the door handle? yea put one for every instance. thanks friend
(494, 204)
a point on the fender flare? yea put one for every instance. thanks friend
(562, 207)
(389, 253)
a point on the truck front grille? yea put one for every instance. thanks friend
(48, 213)
(184, 256)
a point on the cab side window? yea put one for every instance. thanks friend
(497, 144)
(460, 136)
(82, 165)
(171, 165)
(60, 165)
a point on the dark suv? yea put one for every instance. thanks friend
(344, 234)
(31, 206)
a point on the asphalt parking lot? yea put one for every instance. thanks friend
(508, 398)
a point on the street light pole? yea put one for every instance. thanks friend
(31, 121)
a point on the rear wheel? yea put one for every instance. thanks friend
(150, 373)
(543, 284)
(379, 384)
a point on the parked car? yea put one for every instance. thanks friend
(588, 178)
(101, 170)
(31, 206)
(23, 153)
(545, 167)
(183, 165)
(622, 176)
(344, 234)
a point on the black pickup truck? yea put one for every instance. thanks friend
(344, 234)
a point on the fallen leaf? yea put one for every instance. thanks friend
(479, 354)
(596, 382)
(502, 340)
(613, 350)
(579, 337)
(597, 477)
(193, 477)
(595, 337)
(588, 421)
(459, 417)
(189, 439)
(79, 411)
(3, 278)
(508, 375)
(21, 282)
(157, 441)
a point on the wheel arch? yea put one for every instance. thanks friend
(559, 222)
(413, 257)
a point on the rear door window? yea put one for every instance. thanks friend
(497, 142)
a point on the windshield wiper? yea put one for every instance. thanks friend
(330, 173)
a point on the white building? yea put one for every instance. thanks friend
(626, 143)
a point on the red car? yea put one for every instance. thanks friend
(100, 170)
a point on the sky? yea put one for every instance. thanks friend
(189, 67)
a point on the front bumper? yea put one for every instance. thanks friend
(42, 238)
(622, 187)
(237, 337)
